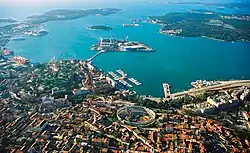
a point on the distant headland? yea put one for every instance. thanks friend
(201, 23)
(65, 14)
(8, 21)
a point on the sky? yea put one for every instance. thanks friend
(9, 8)
(88, 2)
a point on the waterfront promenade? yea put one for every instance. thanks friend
(224, 85)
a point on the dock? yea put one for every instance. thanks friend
(224, 85)
(134, 81)
(121, 77)
(166, 89)
(121, 73)
(114, 75)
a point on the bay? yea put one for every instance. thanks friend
(177, 61)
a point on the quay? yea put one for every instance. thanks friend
(222, 86)
(166, 89)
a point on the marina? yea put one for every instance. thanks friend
(123, 80)
(134, 81)
(121, 73)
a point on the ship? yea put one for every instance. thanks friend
(134, 81)
(20, 60)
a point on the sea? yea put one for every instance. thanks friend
(177, 61)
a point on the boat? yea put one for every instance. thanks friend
(134, 81)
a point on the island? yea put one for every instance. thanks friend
(202, 23)
(8, 21)
(115, 45)
(65, 14)
(100, 27)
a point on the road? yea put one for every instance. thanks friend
(223, 85)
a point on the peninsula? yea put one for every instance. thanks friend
(100, 27)
(201, 23)
(65, 14)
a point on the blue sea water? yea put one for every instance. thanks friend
(177, 60)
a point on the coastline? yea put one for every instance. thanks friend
(214, 39)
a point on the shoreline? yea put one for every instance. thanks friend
(214, 39)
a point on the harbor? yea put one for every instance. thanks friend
(121, 78)
(112, 44)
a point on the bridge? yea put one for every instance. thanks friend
(97, 54)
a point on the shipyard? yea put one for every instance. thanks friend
(112, 44)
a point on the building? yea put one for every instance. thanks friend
(223, 102)
(107, 43)
(246, 115)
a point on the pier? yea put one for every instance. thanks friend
(166, 89)
(123, 79)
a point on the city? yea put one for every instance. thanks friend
(72, 106)
(115, 76)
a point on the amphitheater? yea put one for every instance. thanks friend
(145, 115)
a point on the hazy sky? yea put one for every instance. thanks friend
(9, 8)
(87, 2)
